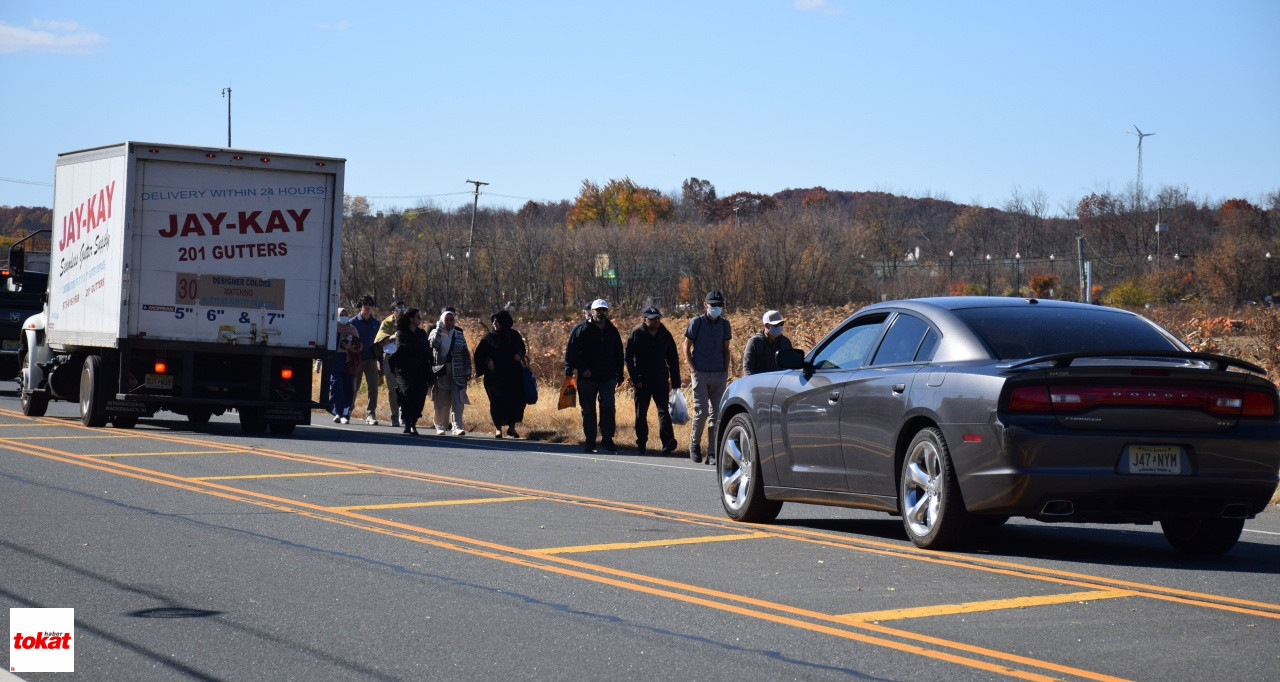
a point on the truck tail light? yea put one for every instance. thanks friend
(161, 367)
(286, 372)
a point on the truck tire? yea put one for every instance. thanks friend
(33, 404)
(92, 393)
(199, 418)
(125, 421)
(251, 421)
(282, 428)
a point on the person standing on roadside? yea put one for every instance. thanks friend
(385, 333)
(411, 367)
(370, 370)
(451, 362)
(342, 369)
(761, 354)
(654, 367)
(595, 353)
(706, 349)
(499, 358)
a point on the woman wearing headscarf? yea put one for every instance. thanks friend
(500, 360)
(410, 361)
(342, 371)
(451, 362)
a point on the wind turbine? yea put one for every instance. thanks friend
(1140, 134)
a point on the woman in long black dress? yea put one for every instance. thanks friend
(500, 360)
(411, 364)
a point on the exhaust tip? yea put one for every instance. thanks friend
(1235, 511)
(1058, 508)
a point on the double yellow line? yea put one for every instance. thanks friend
(858, 627)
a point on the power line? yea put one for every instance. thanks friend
(27, 182)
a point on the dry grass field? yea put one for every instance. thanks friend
(1252, 334)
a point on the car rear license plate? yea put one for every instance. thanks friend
(1155, 459)
(159, 381)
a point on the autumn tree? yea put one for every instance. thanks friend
(620, 202)
(697, 200)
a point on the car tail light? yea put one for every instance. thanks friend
(1067, 399)
(1258, 404)
(1029, 399)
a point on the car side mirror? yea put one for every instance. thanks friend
(790, 358)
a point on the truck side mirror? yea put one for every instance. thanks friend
(17, 260)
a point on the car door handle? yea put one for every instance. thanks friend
(834, 397)
(899, 388)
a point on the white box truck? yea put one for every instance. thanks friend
(189, 279)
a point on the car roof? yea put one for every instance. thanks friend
(965, 302)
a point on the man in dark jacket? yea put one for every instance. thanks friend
(761, 354)
(595, 353)
(654, 367)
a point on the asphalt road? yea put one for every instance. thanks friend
(356, 552)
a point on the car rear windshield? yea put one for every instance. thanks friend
(1025, 332)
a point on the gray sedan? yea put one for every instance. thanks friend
(962, 412)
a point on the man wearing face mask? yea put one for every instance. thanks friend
(595, 353)
(762, 349)
(706, 349)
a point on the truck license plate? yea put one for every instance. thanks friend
(159, 381)
(1155, 459)
(12, 344)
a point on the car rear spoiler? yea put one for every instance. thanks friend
(1217, 362)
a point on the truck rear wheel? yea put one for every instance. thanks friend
(92, 390)
(282, 428)
(251, 421)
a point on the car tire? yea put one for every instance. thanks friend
(1202, 536)
(933, 512)
(741, 482)
(92, 391)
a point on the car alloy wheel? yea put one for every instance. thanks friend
(929, 497)
(741, 487)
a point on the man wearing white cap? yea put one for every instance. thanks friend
(595, 353)
(761, 354)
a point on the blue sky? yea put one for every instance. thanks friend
(957, 100)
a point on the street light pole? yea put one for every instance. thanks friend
(988, 274)
(471, 240)
(226, 92)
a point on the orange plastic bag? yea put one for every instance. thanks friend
(568, 394)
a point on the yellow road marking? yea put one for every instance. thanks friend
(314, 473)
(436, 503)
(174, 452)
(649, 543)
(44, 438)
(991, 605)
(602, 574)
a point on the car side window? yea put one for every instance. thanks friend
(850, 347)
(903, 341)
(928, 346)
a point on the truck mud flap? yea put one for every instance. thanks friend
(297, 414)
(128, 407)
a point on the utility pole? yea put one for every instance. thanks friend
(226, 92)
(471, 240)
